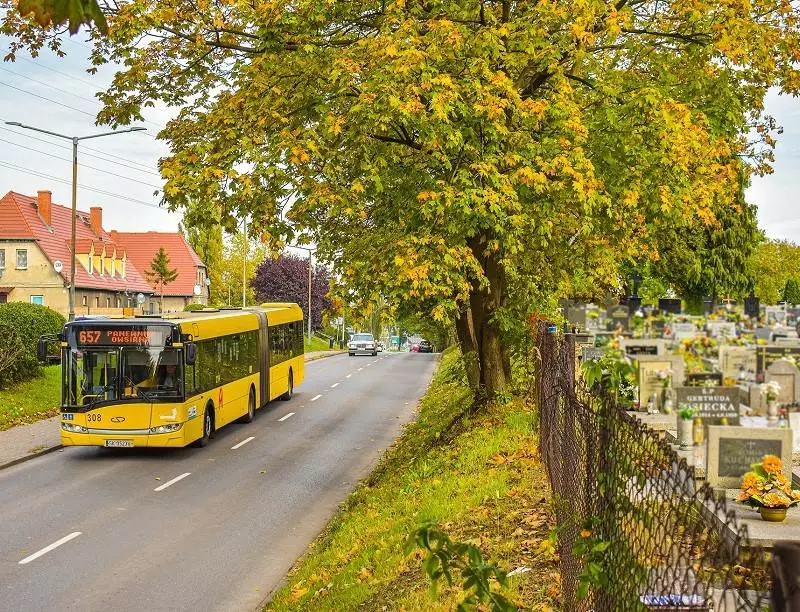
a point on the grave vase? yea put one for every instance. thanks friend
(772, 411)
(773, 515)
(685, 433)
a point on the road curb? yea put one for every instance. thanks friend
(318, 357)
(30, 456)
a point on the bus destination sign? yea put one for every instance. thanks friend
(122, 336)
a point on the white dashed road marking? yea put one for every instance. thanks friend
(348, 376)
(243, 442)
(172, 482)
(334, 385)
(315, 398)
(52, 546)
(280, 420)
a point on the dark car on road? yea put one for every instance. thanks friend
(425, 347)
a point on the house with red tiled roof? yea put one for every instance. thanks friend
(191, 284)
(36, 258)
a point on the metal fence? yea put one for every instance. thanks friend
(634, 530)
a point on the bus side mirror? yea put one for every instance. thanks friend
(41, 350)
(191, 353)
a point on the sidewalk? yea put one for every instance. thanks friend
(25, 442)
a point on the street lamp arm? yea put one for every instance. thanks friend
(35, 129)
(132, 129)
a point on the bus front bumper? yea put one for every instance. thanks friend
(124, 439)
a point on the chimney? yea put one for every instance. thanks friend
(114, 235)
(96, 219)
(45, 204)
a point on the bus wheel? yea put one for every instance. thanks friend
(208, 426)
(288, 395)
(251, 408)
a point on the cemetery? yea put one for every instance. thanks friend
(722, 390)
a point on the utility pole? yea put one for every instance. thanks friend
(310, 252)
(244, 265)
(75, 140)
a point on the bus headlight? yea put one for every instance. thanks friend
(166, 428)
(73, 428)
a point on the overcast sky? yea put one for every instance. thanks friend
(120, 172)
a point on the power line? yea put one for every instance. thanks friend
(69, 93)
(143, 169)
(16, 144)
(11, 166)
(30, 93)
(72, 78)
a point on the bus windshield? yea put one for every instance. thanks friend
(141, 373)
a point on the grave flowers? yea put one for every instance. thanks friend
(767, 488)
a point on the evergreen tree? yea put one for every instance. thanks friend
(791, 291)
(160, 273)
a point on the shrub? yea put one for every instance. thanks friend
(194, 307)
(21, 325)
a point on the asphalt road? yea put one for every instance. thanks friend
(223, 536)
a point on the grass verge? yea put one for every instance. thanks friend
(478, 476)
(317, 344)
(31, 400)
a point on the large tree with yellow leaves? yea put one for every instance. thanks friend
(475, 156)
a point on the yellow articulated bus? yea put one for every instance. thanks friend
(174, 379)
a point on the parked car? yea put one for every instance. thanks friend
(414, 348)
(362, 344)
(425, 347)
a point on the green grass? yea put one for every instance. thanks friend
(32, 400)
(317, 344)
(477, 476)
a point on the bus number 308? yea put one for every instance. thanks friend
(94, 417)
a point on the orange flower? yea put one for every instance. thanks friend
(585, 533)
(772, 464)
(776, 500)
(749, 481)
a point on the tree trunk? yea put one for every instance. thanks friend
(469, 349)
(483, 306)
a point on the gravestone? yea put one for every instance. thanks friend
(576, 315)
(592, 353)
(649, 380)
(735, 359)
(763, 333)
(767, 355)
(633, 347)
(775, 314)
(672, 305)
(619, 317)
(722, 329)
(751, 306)
(680, 331)
(787, 376)
(713, 403)
(704, 379)
(732, 450)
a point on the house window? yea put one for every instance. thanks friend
(3, 298)
(91, 264)
(2, 259)
(37, 299)
(97, 302)
(108, 302)
(84, 301)
(22, 259)
(119, 303)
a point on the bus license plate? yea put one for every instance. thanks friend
(119, 443)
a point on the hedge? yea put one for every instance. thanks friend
(21, 325)
(194, 307)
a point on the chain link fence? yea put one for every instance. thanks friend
(635, 531)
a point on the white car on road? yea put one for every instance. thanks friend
(362, 344)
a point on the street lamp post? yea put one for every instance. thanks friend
(75, 140)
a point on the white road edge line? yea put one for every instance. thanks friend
(172, 482)
(286, 417)
(315, 398)
(243, 442)
(334, 385)
(47, 549)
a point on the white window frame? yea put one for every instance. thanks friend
(2, 259)
(41, 297)
(16, 260)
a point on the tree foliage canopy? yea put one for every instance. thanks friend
(285, 279)
(499, 152)
(772, 265)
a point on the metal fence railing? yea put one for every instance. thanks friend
(634, 530)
